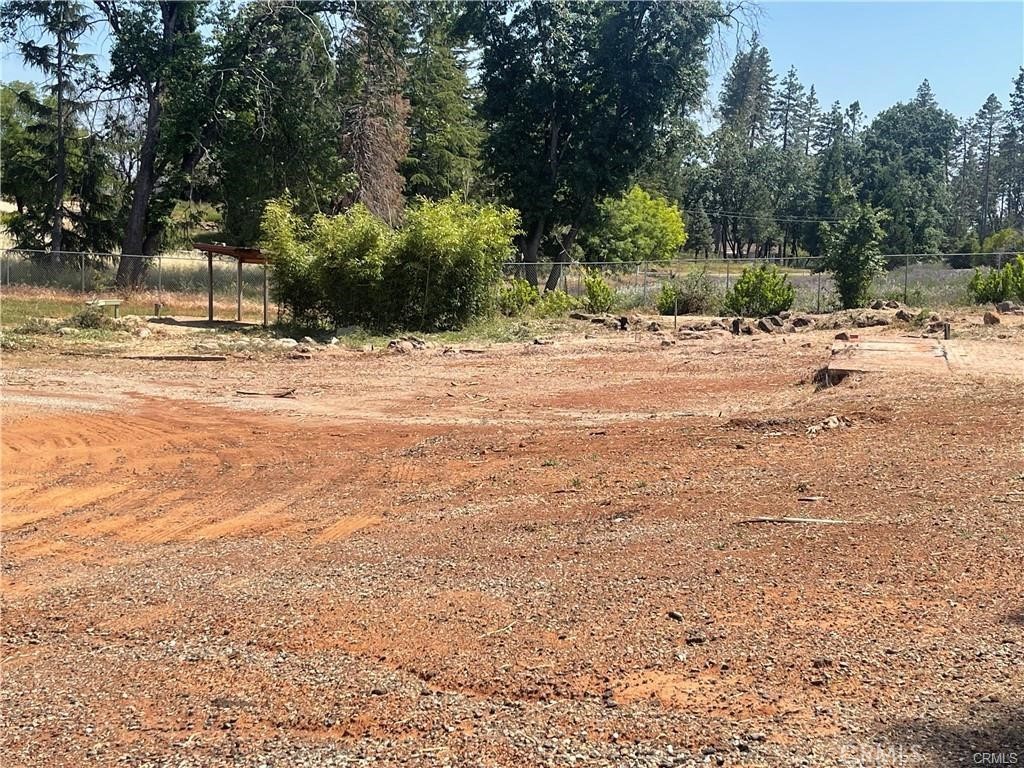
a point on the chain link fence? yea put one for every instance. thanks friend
(917, 283)
(45, 284)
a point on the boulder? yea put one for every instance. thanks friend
(877, 304)
(991, 318)
(903, 316)
(287, 343)
(802, 321)
(892, 304)
(766, 325)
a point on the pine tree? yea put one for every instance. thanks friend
(786, 110)
(444, 134)
(1011, 155)
(987, 123)
(810, 114)
(48, 36)
(747, 96)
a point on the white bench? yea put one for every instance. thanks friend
(115, 303)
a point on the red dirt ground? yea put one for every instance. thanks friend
(530, 556)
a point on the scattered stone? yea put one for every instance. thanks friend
(333, 342)
(892, 304)
(877, 304)
(904, 316)
(765, 325)
(802, 321)
(653, 326)
(144, 333)
(541, 342)
(300, 356)
(675, 615)
(287, 343)
(696, 639)
(576, 315)
(667, 343)
(401, 346)
(991, 318)
(842, 336)
(67, 331)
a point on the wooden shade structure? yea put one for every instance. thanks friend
(241, 255)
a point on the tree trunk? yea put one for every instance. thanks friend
(556, 268)
(130, 271)
(531, 249)
(60, 174)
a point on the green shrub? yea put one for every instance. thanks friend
(350, 253)
(36, 325)
(93, 318)
(286, 243)
(554, 304)
(437, 273)
(447, 261)
(991, 286)
(635, 227)
(695, 294)
(760, 291)
(600, 296)
(515, 295)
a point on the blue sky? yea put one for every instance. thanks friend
(878, 52)
(873, 52)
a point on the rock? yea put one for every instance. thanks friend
(333, 342)
(842, 336)
(747, 329)
(991, 318)
(296, 355)
(785, 314)
(309, 340)
(877, 304)
(144, 333)
(788, 328)
(776, 321)
(612, 325)
(667, 343)
(402, 346)
(736, 325)
(576, 315)
(653, 326)
(541, 342)
(287, 343)
(892, 304)
(67, 331)
(903, 316)
(624, 323)
(867, 320)
(675, 615)
(696, 638)
(766, 325)
(802, 321)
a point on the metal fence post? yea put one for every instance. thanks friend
(81, 261)
(818, 305)
(906, 279)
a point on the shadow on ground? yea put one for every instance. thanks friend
(228, 325)
(991, 733)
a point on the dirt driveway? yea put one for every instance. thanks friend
(533, 555)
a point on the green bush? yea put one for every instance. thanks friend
(635, 227)
(350, 252)
(36, 325)
(91, 318)
(760, 291)
(448, 259)
(600, 296)
(555, 304)
(991, 286)
(515, 295)
(695, 294)
(437, 273)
